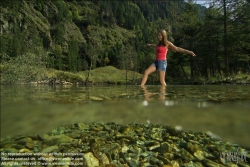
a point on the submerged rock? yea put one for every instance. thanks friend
(110, 144)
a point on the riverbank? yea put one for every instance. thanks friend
(98, 76)
(111, 75)
(111, 144)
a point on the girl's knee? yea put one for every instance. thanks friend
(146, 72)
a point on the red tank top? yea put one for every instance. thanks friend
(161, 53)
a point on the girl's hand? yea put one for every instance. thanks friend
(151, 44)
(192, 53)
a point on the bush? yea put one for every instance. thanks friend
(22, 69)
(68, 76)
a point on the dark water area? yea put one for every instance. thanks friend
(220, 110)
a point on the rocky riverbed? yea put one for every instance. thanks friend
(111, 145)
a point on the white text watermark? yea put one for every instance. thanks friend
(234, 156)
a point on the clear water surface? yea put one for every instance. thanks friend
(220, 110)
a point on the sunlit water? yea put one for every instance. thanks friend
(222, 110)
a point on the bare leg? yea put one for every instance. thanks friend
(148, 71)
(162, 78)
(162, 92)
(146, 94)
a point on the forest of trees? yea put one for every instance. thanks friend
(77, 35)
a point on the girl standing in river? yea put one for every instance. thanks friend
(160, 63)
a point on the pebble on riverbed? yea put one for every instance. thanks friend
(114, 145)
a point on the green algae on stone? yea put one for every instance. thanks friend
(118, 145)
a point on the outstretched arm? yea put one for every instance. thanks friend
(178, 49)
(154, 45)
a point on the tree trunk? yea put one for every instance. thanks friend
(191, 68)
(184, 72)
(126, 72)
(225, 39)
(87, 79)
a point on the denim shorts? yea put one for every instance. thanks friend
(161, 65)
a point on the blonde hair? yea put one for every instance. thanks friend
(164, 40)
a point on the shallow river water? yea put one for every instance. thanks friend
(220, 110)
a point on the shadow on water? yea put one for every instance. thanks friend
(221, 111)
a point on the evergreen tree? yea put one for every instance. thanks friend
(73, 55)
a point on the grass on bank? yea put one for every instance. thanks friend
(102, 75)
(13, 74)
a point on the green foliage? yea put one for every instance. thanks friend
(68, 76)
(16, 5)
(39, 5)
(15, 43)
(3, 45)
(2, 68)
(63, 11)
(56, 58)
(112, 75)
(102, 75)
(74, 13)
(24, 68)
(101, 38)
(84, 35)
(58, 33)
(73, 53)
